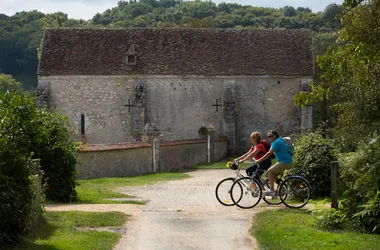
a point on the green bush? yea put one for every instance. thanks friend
(58, 156)
(312, 159)
(329, 219)
(360, 175)
(27, 132)
(15, 166)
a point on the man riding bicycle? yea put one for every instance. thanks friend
(283, 156)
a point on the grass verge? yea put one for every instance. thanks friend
(60, 231)
(99, 191)
(292, 229)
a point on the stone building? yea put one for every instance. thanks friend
(112, 82)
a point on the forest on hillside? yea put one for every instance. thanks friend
(21, 34)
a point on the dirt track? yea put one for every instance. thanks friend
(181, 215)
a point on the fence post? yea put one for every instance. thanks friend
(334, 184)
(156, 151)
(210, 143)
(36, 203)
(151, 134)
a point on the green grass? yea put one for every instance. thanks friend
(60, 231)
(292, 229)
(98, 191)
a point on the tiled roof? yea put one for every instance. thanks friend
(92, 51)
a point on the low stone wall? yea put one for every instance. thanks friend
(180, 154)
(114, 160)
(220, 151)
(131, 159)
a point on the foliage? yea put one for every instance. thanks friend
(289, 11)
(360, 173)
(329, 219)
(312, 160)
(27, 132)
(7, 83)
(50, 142)
(62, 230)
(350, 72)
(20, 36)
(15, 165)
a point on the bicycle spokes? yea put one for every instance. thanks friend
(297, 192)
(246, 192)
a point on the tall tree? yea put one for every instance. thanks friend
(351, 72)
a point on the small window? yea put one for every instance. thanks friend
(82, 125)
(131, 59)
(131, 56)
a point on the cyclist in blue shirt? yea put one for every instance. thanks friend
(283, 156)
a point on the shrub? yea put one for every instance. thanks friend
(329, 219)
(15, 166)
(360, 175)
(312, 159)
(58, 156)
(27, 132)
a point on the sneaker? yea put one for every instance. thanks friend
(269, 192)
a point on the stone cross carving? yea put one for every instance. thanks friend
(217, 105)
(129, 105)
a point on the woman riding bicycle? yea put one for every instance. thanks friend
(259, 148)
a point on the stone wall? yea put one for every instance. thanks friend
(220, 150)
(115, 161)
(131, 159)
(179, 105)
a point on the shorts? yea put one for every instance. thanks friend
(279, 167)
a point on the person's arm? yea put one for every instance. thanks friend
(245, 155)
(253, 153)
(266, 156)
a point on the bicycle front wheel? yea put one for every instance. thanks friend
(223, 192)
(295, 192)
(246, 192)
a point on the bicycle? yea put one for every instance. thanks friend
(224, 187)
(294, 191)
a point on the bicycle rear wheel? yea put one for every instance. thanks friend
(223, 192)
(251, 194)
(274, 200)
(295, 192)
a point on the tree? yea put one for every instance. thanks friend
(331, 15)
(350, 72)
(289, 11)
(302, 9)
(7, 83)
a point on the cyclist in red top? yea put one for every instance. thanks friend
(259, 148)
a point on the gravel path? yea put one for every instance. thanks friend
(181, 214)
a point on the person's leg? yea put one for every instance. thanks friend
(251, 169)
(264, 166)
(276, 169)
